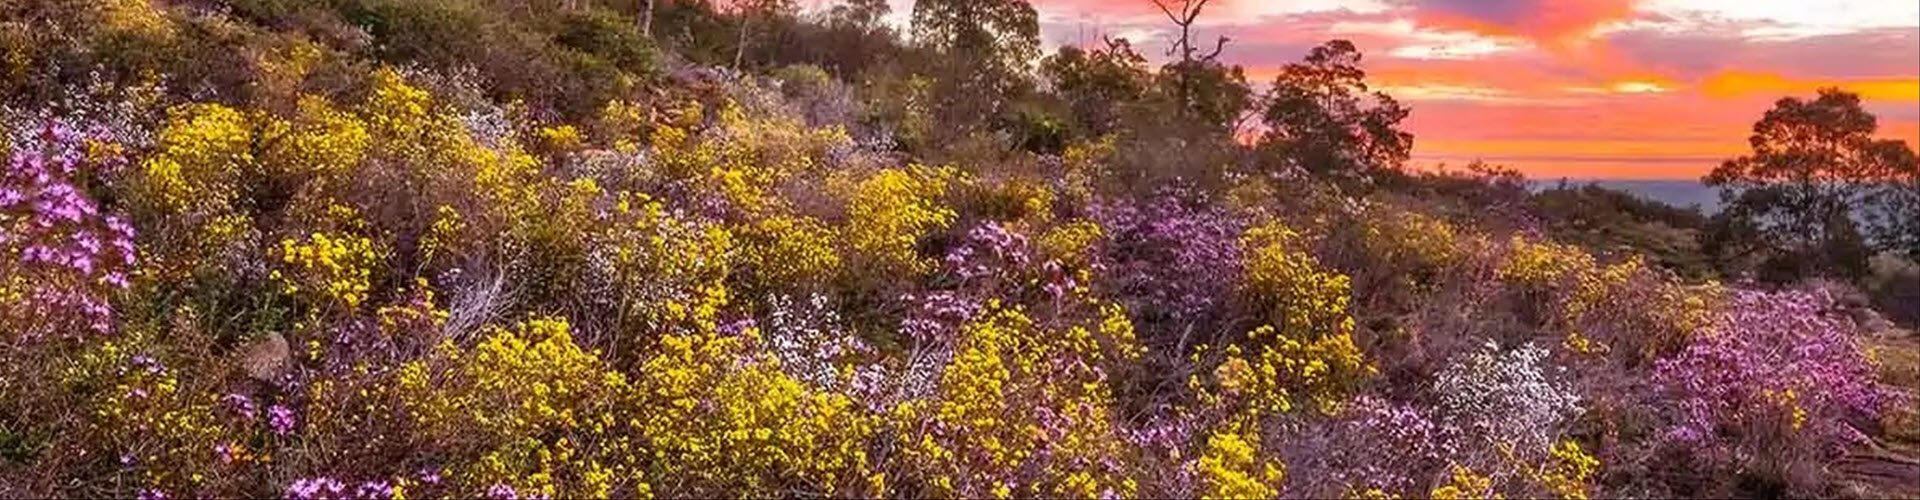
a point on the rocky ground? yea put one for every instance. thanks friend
(1889, 467)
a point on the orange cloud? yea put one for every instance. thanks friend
(1747, 83)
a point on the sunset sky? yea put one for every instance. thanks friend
(1564, 88)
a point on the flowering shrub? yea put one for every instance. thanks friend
(723, 421)
(1509, 396)
(667, 270)
(1023, 410)
(1385, 447)
(1072, 243)
(1231, 468)
(889, 211)
(1290, 290)
(810, 341)
(1167, 259)
(321, 141)
(329, 271)
(190, 191)
(167, 436)
(61, 258)
(789, 251)
(1775, 380)
(528, 409)
(1568, 472)
(1463, 483)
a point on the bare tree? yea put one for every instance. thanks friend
(1184, 14)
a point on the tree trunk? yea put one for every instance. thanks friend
(646, 19)
(740, 49)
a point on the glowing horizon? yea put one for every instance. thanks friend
(1603, 89)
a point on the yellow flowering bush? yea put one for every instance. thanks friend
(397, 110)
(781, 250)
(1568, 471)
(1307, 347)
(620, 124)
(189, 189)
(994, 422)
(1464, 484)
(1297, 296)
(670, 273)
(443, 234)
(528, 408)
(720, 422)
(136, 17)
(1085, 170)
(1542, 263)
(743, 157)
(320, 141)
(327, 271)
(1283, 370)
(1071, 243)
(1230, 466)
(560, 138)
(1649, 315)
(162, 429)
(889, 211)
(1013, 199)
(1414, 247)
(204, 149)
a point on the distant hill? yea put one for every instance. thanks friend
(1679, 193)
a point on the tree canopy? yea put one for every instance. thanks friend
(1819, 187)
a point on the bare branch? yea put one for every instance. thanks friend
(1169, 12)
(1218, 45)
(1201, 4)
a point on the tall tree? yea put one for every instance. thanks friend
(1207, 96)
(983, 50)
(1322, 117)
(1815, 171)
(1096, 82)
(646, 18)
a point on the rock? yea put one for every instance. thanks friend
(267, 359)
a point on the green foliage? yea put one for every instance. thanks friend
(1096, 83)
(1610, 221)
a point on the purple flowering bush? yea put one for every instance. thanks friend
(1778, 385)
(1172, 258)
(61, 256)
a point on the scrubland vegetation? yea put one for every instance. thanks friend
(571, 249)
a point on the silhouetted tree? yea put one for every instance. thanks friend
(1322, 117)
(1210, 96)
(1813, 164)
